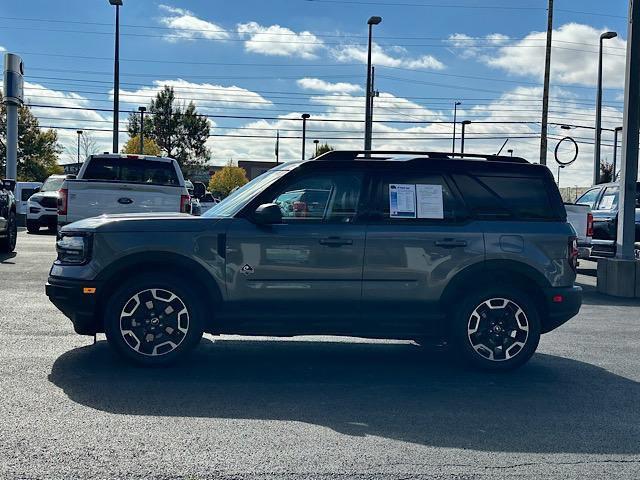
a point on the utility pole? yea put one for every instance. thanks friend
(13, 90)
(116, 77)
(598, 137)
(79, 132)
(142, 110)
(615, 150)
(305, 117)
(464, 127)
(545, 94)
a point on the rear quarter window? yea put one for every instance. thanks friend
(507, 197)
(131, 170)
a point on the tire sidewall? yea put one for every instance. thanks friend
(6, 244)
(33, 226)
(172, 283)
(459, 333)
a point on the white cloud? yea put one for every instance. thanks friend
(574, 56)
(2, 49)
(358, 53)
(279, 41)
(321, 86)
(185, 25)
(469, 47)
(206, 96)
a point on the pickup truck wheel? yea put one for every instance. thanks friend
(8, 243)
(33, 226)
(153, 320)
(497, 328)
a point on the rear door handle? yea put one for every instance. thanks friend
(335, 241)
(451, 243)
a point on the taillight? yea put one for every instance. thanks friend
(589, 225)
(572, 253)
(63, 197)
(185, 203)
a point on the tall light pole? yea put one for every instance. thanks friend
(316, 141)
(596, 150)
(560, 167)
(116, 77)
(545, 90)
(142, 110)
(368, 117)
(615, 150)
(79, 132)
(305, 116)
(455, 116)
(464, 127)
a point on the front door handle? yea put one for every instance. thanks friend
(451, 243)
(335, 241)
(125, 201)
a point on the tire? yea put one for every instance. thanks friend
(153, 320)
(496, 328)
(33, 226)
(8, 244)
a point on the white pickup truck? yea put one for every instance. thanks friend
(115, 183)
(581, 219)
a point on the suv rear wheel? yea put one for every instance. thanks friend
(497, 328)
(8, 243)
(153, 320)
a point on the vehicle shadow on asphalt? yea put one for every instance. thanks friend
(7, 256)
(396, 391)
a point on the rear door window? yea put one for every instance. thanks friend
(609, 200)
(506, 197)
(131, 170)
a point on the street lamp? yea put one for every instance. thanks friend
(316, 141)
(596, 155)
(79, 132)
(510, 152)
(142, 110)
(116, 77)
(368, 116)
(464, 127)
(615, 150)
(559, 168)
(455, 115)
(305, 116)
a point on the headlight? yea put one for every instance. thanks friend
(74, 248)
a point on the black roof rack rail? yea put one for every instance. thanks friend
(374, 154)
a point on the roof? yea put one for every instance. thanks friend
(403, 156)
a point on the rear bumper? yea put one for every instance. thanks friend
(562, 304)
(81, 308)
(603, 248)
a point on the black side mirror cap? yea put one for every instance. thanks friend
(9, 184)
(268, 214)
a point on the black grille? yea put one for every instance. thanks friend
(49, 202)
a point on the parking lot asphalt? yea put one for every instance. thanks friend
(313, 407)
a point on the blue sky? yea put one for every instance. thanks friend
(276, 59)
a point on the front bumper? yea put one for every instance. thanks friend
(81, 308)
(559, 312)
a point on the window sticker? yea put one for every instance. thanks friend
(430, 201)
(607, 202)
(402, 201)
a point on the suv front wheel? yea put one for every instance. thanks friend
(153, 320)
(497, 328)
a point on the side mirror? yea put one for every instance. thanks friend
(9, 184)
(199, 189)
(268, 214)
(36, 190)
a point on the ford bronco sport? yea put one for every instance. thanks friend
(469, 249)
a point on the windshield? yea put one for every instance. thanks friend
(52, 184)
(238, 199)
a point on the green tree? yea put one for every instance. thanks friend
(133, 146)
(323, 149)
(38, 149)
(179, 131)
(606, 172)
(226, 179)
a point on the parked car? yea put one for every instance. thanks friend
(581, 219)
(476, 251)
(42, 206)
(603, 200)
(114, 183)
(207, 202)
(8, 219)
(22, 192)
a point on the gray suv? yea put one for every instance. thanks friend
(474, 251)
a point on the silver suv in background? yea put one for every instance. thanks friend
(42, 206)
(472, 250)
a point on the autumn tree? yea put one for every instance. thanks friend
(225, 180)
(179, 130)
(133, 146)
(38, 149)
(323, 149)
(606, 172)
